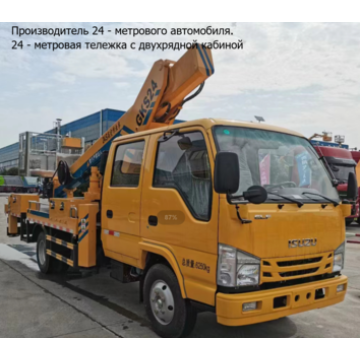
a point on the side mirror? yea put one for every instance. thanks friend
(255, 194)
(227, 172)
(352, 187)
(103, 161)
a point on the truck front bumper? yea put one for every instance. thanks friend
(292, 300)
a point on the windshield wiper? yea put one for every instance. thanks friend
(299, 203)
(320, 195)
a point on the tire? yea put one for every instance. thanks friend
(47, 264)
(358, 220)
(180, 317)
(349, 221)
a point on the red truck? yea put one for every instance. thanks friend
(356, 156)
(340, 162)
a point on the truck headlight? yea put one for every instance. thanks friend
(248, 269)
(339, 258)
(226, 266)
(236, 268)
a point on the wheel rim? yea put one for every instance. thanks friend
(42, 251)
(162, 302)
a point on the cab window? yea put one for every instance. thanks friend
(182, 163)
(127, 164)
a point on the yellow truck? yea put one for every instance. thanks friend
(237, 218)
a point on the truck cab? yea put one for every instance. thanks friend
(247, 260)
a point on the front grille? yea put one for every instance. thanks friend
(285, 269)
(298, 272)
(299, 262)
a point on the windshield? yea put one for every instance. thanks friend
(281, 163)
(341, 172)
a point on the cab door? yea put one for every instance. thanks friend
(179, 209)
(120, 212)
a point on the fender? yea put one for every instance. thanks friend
(38, 227)
(162, 250)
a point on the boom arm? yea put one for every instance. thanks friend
(325, 136)
(159, 101)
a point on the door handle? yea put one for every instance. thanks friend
(153, 220)
(109, 214)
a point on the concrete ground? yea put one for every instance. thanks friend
(94, 305)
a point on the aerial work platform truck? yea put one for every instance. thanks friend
(237, 218)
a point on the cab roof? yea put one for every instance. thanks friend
(208, 123)
(337, 152)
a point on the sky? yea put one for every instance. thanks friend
(301, 76)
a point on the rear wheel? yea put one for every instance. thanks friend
(47, 264)
(358, 220)
(169, 313)
(349, 221)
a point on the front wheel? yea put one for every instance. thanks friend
(169, 313)
(47, 264)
